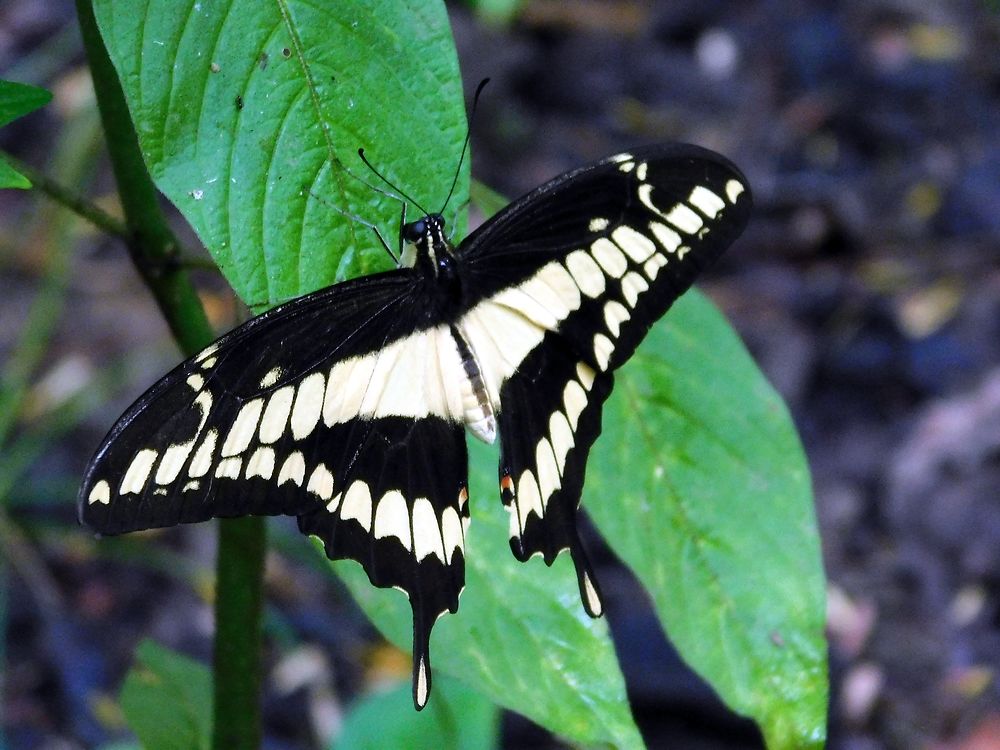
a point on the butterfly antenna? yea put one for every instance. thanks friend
(465, 146)
(361, 153)
(362, 222)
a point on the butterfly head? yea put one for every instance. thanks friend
(427, 246)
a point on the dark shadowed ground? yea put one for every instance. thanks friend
(867, 287)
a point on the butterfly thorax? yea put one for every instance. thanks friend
(429, 252)
(427, 248)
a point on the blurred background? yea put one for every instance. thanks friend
(867, 287)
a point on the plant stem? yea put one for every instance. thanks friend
(66, 197)
(153, 248)
(238, 608)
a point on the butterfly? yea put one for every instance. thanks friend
(348, 407)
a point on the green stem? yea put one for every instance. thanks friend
(66, 197)
(238, 608)
(239, 581)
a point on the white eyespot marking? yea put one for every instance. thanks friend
(558, 289)
(529, 499)
(513, 522)
(422, 686)
(192, 485)
(638, 246)
(627, 166)
(586, 374)
(641, 170)
(645, 193)
(562, 439)
(548, 470)
(586, 273)
(275, 419)
(208, 364)
(204, 402)
(615, 313)
(271, 377)
(196, 382)
(293, 470)
(633, 285)
(619, 158)
(202, 460)
(598, 225)
(609, 257)
(243, 429)
(575, 401)
(652, 266)
(392, 518)
(682, 251)
(520, 301)
(100, 493)
(426, 531)
(603, 349)
(706, 201)
(207, 352)
(684, 219)
(452, 532)
(666, 236)
(308, 405)
(261, 463)
(160, 491)
(173, 461)
(137, 473)
(229, 468)
(321, 482)
(594, 605)
(733, 190)
(358, 504)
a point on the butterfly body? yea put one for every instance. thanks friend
(348, 407)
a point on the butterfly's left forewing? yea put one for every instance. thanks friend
(568, 281)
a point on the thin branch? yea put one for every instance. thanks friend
(68, 198)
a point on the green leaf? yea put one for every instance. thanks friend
(457, 718)
(167, 700)
(496, 11)
(699, 483)
(250, 115)
(520, 637)
(11, 178)
(17, 100)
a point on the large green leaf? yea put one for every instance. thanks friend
(457, 718)
(700, 485)
(17, 100)
(250, 115)
(167, 700)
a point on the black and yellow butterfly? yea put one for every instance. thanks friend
(348, 407)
